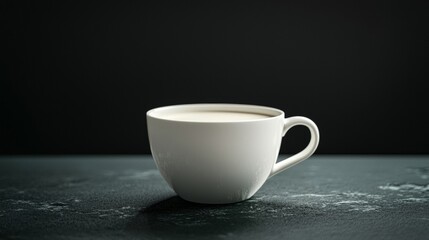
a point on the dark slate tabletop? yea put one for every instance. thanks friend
(124, 197)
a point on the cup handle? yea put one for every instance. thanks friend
(304, 154)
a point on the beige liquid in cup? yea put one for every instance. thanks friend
(214, 116)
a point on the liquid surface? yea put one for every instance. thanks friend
(214, 116)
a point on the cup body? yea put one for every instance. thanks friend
(215, 162)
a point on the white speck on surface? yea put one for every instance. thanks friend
(42, 206)
(414, 200)
(406, 187)
(365, 208)
(344, 201)
(122, 212)
(423, 172)
(52, 207)
(351, 202)
(312, 195)
(130, 175)
(23, 202)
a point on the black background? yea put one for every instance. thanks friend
(79, 77)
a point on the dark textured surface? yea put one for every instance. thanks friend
(114, 197)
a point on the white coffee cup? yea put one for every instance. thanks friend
(209, 153)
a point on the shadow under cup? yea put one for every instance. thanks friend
(217, 160)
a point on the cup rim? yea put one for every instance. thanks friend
(272, 113)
